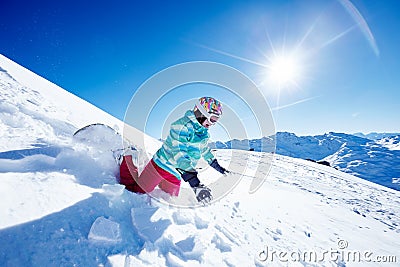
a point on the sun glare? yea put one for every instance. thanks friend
(284, 70)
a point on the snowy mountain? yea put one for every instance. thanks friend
(374, 160)
(390, 142)
(376, 136)
(61, 205)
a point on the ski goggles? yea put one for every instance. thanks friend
(213, 119)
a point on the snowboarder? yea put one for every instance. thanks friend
(176, 160)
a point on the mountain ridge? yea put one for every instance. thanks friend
(376, 160)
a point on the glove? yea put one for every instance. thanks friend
(218, 167)
(191, 178)
(203, 194)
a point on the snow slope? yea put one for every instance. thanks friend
(390, 142)
(28, 102)
(374, 160)
(61, 205)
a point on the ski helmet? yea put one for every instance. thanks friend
(208, 107)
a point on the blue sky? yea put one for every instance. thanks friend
(343, 56)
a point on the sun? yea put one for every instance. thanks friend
(284, 70)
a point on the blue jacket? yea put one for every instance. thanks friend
(186, 143)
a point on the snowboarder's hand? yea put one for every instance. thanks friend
(218, 167)
(203, 194)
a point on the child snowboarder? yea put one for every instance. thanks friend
(186, 143)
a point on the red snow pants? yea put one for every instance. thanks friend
(151, 176)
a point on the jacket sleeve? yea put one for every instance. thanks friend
(180, 137)
(207, 154)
